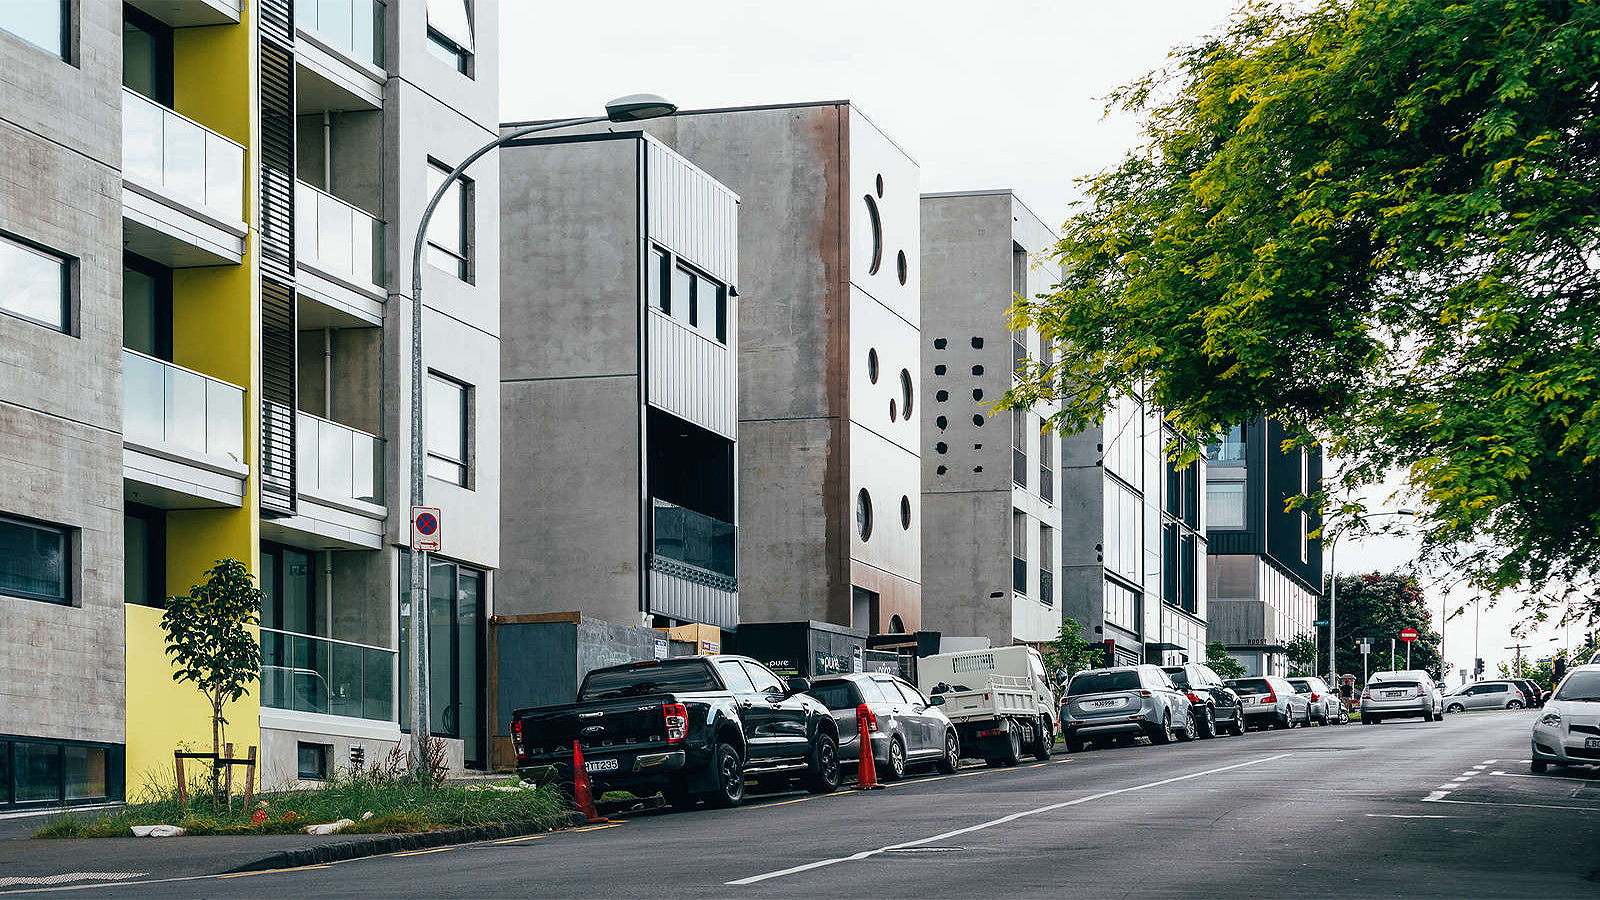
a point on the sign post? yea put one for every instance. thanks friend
(1409, 635)
(1366, 648)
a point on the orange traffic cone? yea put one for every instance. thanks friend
(866, 769)
(582, 791)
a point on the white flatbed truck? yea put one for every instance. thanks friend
(999, 700)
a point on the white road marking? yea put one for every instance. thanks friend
(1545, 777)
(1434, 796)
(1459, 780)
(1592, 809)
(1448, 787)
(1394, 816)
(65, 877)
(990, 824)
(1483, 766)
(1490, 761)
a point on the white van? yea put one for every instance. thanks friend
(999, 699)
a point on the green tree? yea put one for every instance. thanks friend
(1220, 662)
(1069, 653)
(1302, 653)
(210, 642)
(1377, 219)
(1380, 606)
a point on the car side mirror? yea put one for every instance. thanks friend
(936, 700)
(798, 686)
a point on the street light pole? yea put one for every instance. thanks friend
(1333, 587)
(631, 108)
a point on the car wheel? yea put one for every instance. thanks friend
(1539, 766)
(1207, 726)
(896, 763)
(729, 771)
(951, 760)
(1046, 739)
(1286, 722)
(1011, 752)
(1190, 731)
(1238, 723)
(1515, 704)
(1455, 707)
(1163, 735)
(1076, 746)
(824, 775)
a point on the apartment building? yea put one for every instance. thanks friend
(619, 383)
(208, 358)
(991, 537)
(1265, 569)
(1133, 538)
(829, 500)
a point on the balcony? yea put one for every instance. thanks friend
(338, 240)
(352, 27)
(184, 433)
(184, 196)
(309, 674)
(339, 462)
(695, 539)
(339, 58)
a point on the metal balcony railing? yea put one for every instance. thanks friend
(694, 538)
(332, 235)
(353, 27)
(338, 460)
(184, 159)
(320, 675)
(164, 405)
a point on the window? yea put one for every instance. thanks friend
(42, 23)
(33, 282)
(448, 244)
(34, 560)
(1230, 452)
(1305, 518)
(735, 677)
(147, 307)
(1019, 551)
(763, 678)
(450, 34)
(456, 605)
(447, 406)
(144, 556)
(1019, 447)
(1186, 572)
(289, 589)
(314, 761)
(1122, 606)
(656, 280)
(1120, 544)
(864, 514)
(1169, 563)
(1019, 270)
(1225, 501)
(911, 694)
(1047, 488)
(1047, 564)
(146, 56)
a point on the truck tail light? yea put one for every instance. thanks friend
(676, 718)
(516, 736)
(864, 714)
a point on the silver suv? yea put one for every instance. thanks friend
(1326, 709)
(1399, 695)
(1270, 701)
(1119, 704)
(1486, 695)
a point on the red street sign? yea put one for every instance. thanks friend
(1409, 635)
(426, 533)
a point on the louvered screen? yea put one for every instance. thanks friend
(278, 325)
(277, 161)
(277, 20)
(277, 398)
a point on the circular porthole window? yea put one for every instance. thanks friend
(900, 266)
(905, 394)
(941, 470)
(941, 447)
(977, 370)
(863, 514)
(876, 224)
(879, 185)
(892, 412)
(941, 423)
(897, 625)
(942, 396)
(872, 365)
(977, 420)
(905, 512)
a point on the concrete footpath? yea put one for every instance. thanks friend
(27, 863)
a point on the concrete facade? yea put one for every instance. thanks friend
(830, 271)
(992, 522)
(620, 405)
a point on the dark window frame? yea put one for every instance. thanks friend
(464, 464)
(69, 35)
(68, 282)
(462, 252)
(115, 754)
(155, 554)
(161, 33)
(69, 575)
(443, 45)
(693, 309)
(480, 642)
(162, 276)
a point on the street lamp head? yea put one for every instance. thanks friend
(634, 107)
(1402, 511)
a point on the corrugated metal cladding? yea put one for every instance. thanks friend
(691, 213)
(680, 598)
(692, 376)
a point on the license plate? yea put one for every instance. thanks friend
(1591, 743)
(1104, 704)
(1394, 695)
(600, 765)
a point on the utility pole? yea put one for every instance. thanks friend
(1517, 672)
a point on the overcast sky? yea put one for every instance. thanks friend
(991, 95)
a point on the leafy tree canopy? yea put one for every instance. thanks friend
(209, 638)
(1069, 653)
(1380, 606)
(1221, 663)
(1379, 219)
(1302, 654)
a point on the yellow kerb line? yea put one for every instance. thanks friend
(274, 871)
(420, 852)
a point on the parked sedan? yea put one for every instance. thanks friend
(1569, 731)
(1531, 691)
(1486, 695)
(1271, 702)
(1325, 706)
(905, 728)
(1119, 704)
(1216, 706)
(1401, 694)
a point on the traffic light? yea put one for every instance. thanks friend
(1559, 669)
(1477, 668)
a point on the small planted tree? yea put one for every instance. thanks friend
(1302, 653)
(209, 640)
(1220, 662)
(1069, 653)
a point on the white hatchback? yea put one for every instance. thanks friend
(1568, 730)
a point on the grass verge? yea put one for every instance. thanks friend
(397, 806)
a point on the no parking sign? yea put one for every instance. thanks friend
(427, 532)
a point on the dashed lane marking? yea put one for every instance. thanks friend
(1397, 816)
(1588, 809)
(1434, 796)
(1545, 777)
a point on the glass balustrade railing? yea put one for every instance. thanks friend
(318, 675)
(695, 539)
(332, 235)
(339, 461)
(186, 160)
(164, 405)
(353, 27)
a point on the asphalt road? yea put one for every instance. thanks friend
(1405, 809)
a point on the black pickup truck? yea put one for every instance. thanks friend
(692, 727)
